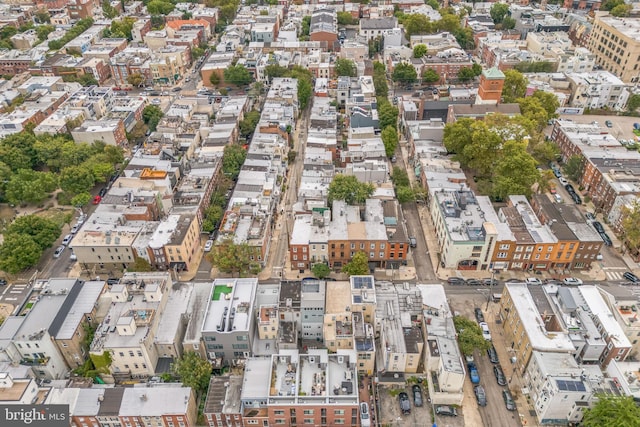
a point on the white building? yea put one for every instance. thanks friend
(597, 89)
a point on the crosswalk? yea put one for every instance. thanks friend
(614, 275)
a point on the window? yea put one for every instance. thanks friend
(308, 412)
(372, 254)
(504, 246)
(338, 412)
(502, 254)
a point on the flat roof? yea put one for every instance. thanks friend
(598, 307)
(223, 396)
(171, 320)
(84, 302)
(155, 401)
(238, 301)
(256, 380)
(531, 320)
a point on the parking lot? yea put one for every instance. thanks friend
(419, 416)
(622, 126)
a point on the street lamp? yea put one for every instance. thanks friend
(493, 273)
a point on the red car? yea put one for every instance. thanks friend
(97, 200)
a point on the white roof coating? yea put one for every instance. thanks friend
(177, 305)
(155, 402)
(255, 384)
(84, 303)
(598, 307)
(532, 322)
(240, 304)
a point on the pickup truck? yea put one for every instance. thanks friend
(473, 373)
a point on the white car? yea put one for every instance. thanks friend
(563, 181)
(208, 246)
(485, 331)
(533, 281)
(73, 257)
(572, 281)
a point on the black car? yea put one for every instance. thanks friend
(508, 400)
(631, 277)
(405, 406)
(570, 189)
(499, 373)
(576, 199)
(607, 240)
(102, 192)
(490, 282)
(599, 228)
(474, 282)
(493, 354)
(481, 396)
(455, 281)
(3, 282)
(449, 411)
(154, 93)
(176, 89)
(417, 395)
(479, 315)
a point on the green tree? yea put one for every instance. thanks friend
(574, 167)
(387, 115)
(345, 18)
(477, 69)
(136, 79)
(232, 258)
(515, 172)
(42, 230)
(345, 67)
(612, 410)
(535, 67)
(349, 189)
(464, 37)
(545, 151)
(320, 270)
(631, 226)
(305, 84)
(275, 70)
(470, 336)
(193, 371)
(358, 266)
(449, 22)
(212, 217)
(532, 108)
(29, 186)
(633, 103)
(42, 31)
(214, 78)
(515, 85)
(430, 76)
(389, 137)
(419, 50)
(434, 4)
(237, 75)
(18, 252)
(498, 12)
(405, 194)
(549, 102)
(249, 123)
(160, 7)
(80, 200)
(404, 73)
(621, 10)
(108, 10)
(609, 5)
(76, 179)
(466, 74)
(42, 16)
(399, 177)
(151, 116)
(140, 265)
(508, 23)
(232, 159)
(417, 23)
(306, 23)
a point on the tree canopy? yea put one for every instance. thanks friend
(404, 73)
(633, 103)
(345, 67)
(358, 266)
(249, 122)
(193, 371)
(237, 75)
(469, 336)
(631, 226)
(233, 258)
(349, 189)
(430, 76)
(515, 85)
(574, 167)
(612, 410)
(151, 116)
(320, 270)
(232, 159)
(43, 231)
(498, 12)
(389, 137)
(419, 50)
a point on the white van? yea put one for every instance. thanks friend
(365, 417)
(558, 198)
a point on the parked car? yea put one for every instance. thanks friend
(102, 192)
(508, 400)
(3, 282)
(533, 281)
(208, 246)
(413, 242)
(73, 257)
(417, 395)
(590, 216)
(569, 188)
(598, 226)
(481, 396)
(563, 181)
(607, 240)
(499, 373)
(473, 373)
(572, 281)
(485, 331)
(58, 251)
(365, 417)
(576, 199)
(75, 229)
(448, 411)
(67, 239)
(558, 198)
(474, 282)
(493, 355)
(479, 315)
(557, 173)
(631, 277)
(405, 406)
(455, 281)
(608, 123)
(490, 282)
(97, 199)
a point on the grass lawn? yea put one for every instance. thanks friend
(219, 290)
(57, 215)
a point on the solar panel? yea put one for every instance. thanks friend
(564, 385)
(362, 282)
